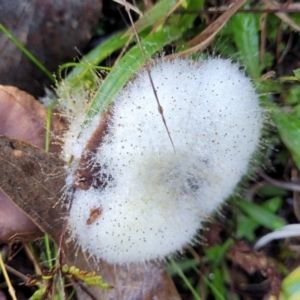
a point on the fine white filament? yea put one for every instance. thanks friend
(154, 199)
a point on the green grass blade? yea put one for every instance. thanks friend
(127, 66)
(48, 125)
(261, 215)
(185, 279)
(27, 53)
(297, 73)
(218, 295)
(188, 19)
(94, 57)
(78, 64)
(155, 14)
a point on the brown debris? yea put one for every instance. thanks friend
(23, 118)
(252, 261)
(52, 31)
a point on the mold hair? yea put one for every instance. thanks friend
(153, 200)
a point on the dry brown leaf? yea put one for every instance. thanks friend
(34, 180)
(21, 117)
(50, 30)
(250, 261)
(253, 261)
(14, 223)
(270, 4)
(143, 282)
(202, 40)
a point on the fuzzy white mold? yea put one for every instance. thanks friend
(154, 199)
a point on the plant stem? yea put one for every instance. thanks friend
(26, 52)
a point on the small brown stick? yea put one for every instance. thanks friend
(296, 195)
(84, 288)
(33, 260)
(286, 185)
(286, 49)
(222, 9)
(84, 177)
(160, 108)
(263, 36)
(10, 287)
(202, 40)
(16, 273)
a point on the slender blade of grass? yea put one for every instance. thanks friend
(157, 12)
(27, 53)
(94, 57)
(127, 66)
(261, 215)
(185, 279)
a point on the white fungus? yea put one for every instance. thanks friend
(153, 199)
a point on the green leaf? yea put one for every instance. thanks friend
(297, 73)
(292, 97)
(289, 130)
(217, 294)
(187, 20)
(271, 191)
(297, 110)
(38, 294)
(246, 227)
(89, 278)
(183, 265)
(261, 215)
(95, 281)
(217, 253)
(217, 280)
(273, 204)
(268, 86)
(245, 32)
(85, 70)
(291, 285)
